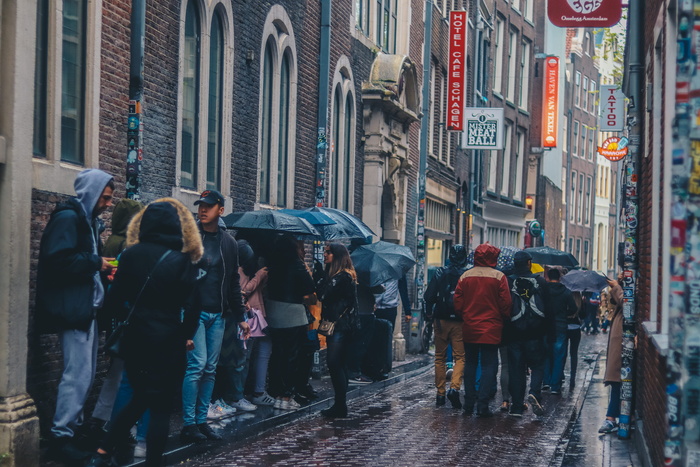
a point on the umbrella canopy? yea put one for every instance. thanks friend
(381, 261)
(504, 263)
(580, 281)
(346, 227)
(552, 257)
(314, 218)
(269, 220)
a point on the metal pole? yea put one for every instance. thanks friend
(134, 155)
(569, 125)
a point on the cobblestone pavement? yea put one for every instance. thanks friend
(400, 426)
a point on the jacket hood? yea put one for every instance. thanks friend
(486, 255)
(169, 223)
(89, 185)
(122, 214)
(557, 288)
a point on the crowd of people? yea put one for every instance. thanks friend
(526, 324)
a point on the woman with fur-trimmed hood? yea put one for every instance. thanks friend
(162, 241)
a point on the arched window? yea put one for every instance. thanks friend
(190, 99)
(342, 156)
(216, 70)
(277, 110)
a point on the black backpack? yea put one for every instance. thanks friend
(446, 294)
(528, 305)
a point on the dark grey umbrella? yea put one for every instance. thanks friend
(381, 261)
(269, 220)
(346, 227)
(580, 281)
(552, 257)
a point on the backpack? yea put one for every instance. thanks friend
(446, 294)
(528, 305)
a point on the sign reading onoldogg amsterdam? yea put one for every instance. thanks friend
(483, 128)
(614, 148)
(550, 113)
(584, 13)
(612, 108)
(456, 84)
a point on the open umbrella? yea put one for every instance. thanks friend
(346, 227)
(314, 218)
(269, 220)
(379, 262)
(504, 263)
(552, 257)
(580, 281)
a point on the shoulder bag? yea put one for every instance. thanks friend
(327, 327)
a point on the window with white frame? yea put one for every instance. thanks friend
(519, 155)
(342, 161)
(572, 199)
(516, 4)
(386, 20)
(577, 92)
(527, 8)
(591, 146)
(206, 81)
(587, 206)
(593, 97)
(362, 15)
(498, 57)
(582, 148)
(574, 139)
(579, 215)
(584, 90)
(278, 96)
(524, 76)
(432, 112)
(507, 155)
(512, 65)
(442, 132)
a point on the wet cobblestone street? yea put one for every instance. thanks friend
(400, 426)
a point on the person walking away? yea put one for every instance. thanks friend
(526, 330)
(157, 279)
(562, 305)
(69, 293)
(359, 346)
(613, 363)
(483, 301)
(220, 292)
(439, 303)
(288, 282)
(573, 339)
(337, 290)
(387, 303)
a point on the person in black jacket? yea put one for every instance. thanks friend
(337, 291)
(157, 278)
(562, 305)
(448, 325)
(69, 293)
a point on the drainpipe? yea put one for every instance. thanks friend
(134, 154)
(570, 124)
(322, 117)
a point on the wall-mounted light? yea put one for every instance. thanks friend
(529, 202)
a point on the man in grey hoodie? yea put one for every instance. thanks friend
(69, 293)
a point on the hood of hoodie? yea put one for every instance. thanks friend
(89, 185)
(556, 289)
(174, 228)
(486, 255)
(122, 214)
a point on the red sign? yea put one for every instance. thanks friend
(614, 148)
(550, 114)
(456, 70)
(584, 13)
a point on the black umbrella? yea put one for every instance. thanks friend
(269, 220)
(581, 281)
(346, 227)
(552, 257)
(381, 261)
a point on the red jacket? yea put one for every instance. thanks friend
(482, 297)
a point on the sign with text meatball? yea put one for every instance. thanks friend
(584, 13)
(612, 108)
(550, 106)
(456, 84)
(483, 128)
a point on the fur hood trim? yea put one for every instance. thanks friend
(191, 240)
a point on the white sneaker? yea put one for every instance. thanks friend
(226, 408)
(140, 449)
(243, 405)
(278, 403)
(263, 399)
(215, 412)
(291, 404)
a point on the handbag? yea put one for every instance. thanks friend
(113, 343)
(257, 323)
(327, 327)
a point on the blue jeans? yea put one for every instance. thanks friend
(198, 384)
(124, 395)
(614, 404)
(558, 358)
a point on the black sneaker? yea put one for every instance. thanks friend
(335, 412)
(439, 401)
(191, 434)
(536, 407)
(206, 430)
(453, 396)
(101, 460)
(546, 387)
(63, 449)
(484, 413)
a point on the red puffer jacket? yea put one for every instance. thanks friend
(483, 298)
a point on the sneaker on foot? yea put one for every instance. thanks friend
(536, 407)
(439, 400)
(362, 379)
(243, 405)
(608, 426)
(555, 392)
(290, 404)
(505, 406)
(279, 402)
(263, 399)
(215, 412)
(453, 396)
(191, 434)
(546, 387)
(140, 449)
(227, 409)
(208, 433)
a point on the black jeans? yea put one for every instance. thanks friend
(573, 339)
(337, 357)
(489, 370)
(285, 361)
(521, 356)
(388, 314)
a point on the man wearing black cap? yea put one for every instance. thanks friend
(525, 333)
(220, 292)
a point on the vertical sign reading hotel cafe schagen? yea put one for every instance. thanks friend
(551, 103)
(456, 72)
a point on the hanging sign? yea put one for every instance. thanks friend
(614, 148)
(612, 108)
(584, 13)
(456, 84)
(483, 128)
(551, 103)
